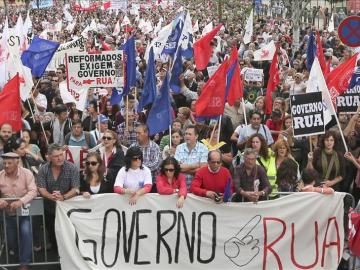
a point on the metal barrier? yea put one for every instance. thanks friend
(35, 212)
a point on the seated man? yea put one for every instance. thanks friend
(210, 181)
(18, 184)
(251, 180)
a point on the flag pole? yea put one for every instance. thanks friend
(244, 109)
(127, 113)
(219, 129)
(32, 96)
(170, 136)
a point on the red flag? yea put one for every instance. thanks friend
(203, 50)
(320, 54)
(235, 89)
(212, 99)
(106, 5)
(339, 78)
(10, 104)
(274, 80)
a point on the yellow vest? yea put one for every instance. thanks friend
(270, 168)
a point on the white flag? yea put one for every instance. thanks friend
(207, 29)
(196, 27)
(77, 96)
(116, 28)
(125, 21)
(67, 15)
(19, 25)
(58, 26)
(158, 26)
(4, 54)
(147, 27)
(331, 26)
(27, 25)
(317, 83)
(142, 23)
(186, 32)
(266, 53)
(249, 28)
(70, 27)
(93, 25)
(26, 82)
(159, 42)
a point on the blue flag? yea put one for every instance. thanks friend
(38, 55)
(310, 51)
(176, 72)
(173, 39)
(149, 91)
(188, 53)
(229, 76)
(160, 116)
(116, 96)
(227, 192)
(355, 79)
(130, 65)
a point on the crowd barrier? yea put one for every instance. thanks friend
(35, 212)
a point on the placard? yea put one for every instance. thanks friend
(349, 101)
(253, 75)
(86, 70)
(307, 111)
(39, 4)
(105, 232)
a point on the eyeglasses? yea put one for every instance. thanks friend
(215, 162)
(136, 158)
(169, 170)
(107, 138)
(92, 163)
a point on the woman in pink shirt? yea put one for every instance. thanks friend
(171, 181)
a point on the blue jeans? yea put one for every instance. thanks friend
(25, 252)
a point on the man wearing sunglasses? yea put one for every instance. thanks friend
(210, 181)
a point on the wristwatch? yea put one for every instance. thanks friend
(176, 190)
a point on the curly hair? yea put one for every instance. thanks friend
(170, 161)
(133, 151)
(279, 143)
(328, 134)
(101, 168)
(264, 149)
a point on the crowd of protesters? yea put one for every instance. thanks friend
(259, 158)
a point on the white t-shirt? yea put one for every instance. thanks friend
(133, 179)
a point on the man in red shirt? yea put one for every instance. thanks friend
(275, 123)
(210, 181)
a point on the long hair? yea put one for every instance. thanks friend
(133, 151)
(279, 143)
(264, 149)
(329, 134)
(287, 172)
(100, 170)
(169, 161)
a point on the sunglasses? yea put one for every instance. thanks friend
(92, 163)
(215, 162)
(136, 158)
(107, 138)
(169, 170)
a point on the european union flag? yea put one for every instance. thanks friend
(130, 64)
(116, 96)
(176, 72)
(149, 91)
(173, 39)
(160, 116)
(38, 55)
(310, 51)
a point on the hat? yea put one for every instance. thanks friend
(10, 155)
(103, 118)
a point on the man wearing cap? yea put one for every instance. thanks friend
(17, 184)
(101, 127)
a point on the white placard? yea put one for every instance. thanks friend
(105, 232)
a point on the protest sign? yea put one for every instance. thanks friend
(86, 70)
(77, 45)
(39, 4)
(349, 101)
(307, 111)
(105, 232)
(77, 96)
(211, 70)
(14, 42)
(253, 74)
(76, 155)
(118, 4)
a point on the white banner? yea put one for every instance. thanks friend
(73, 95)
(76, 155)
(299, 231)
(95, 70)
(252, 74)
(41, 4)
(118, 4)
(77, 45)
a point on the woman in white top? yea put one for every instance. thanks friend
(134, 178)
